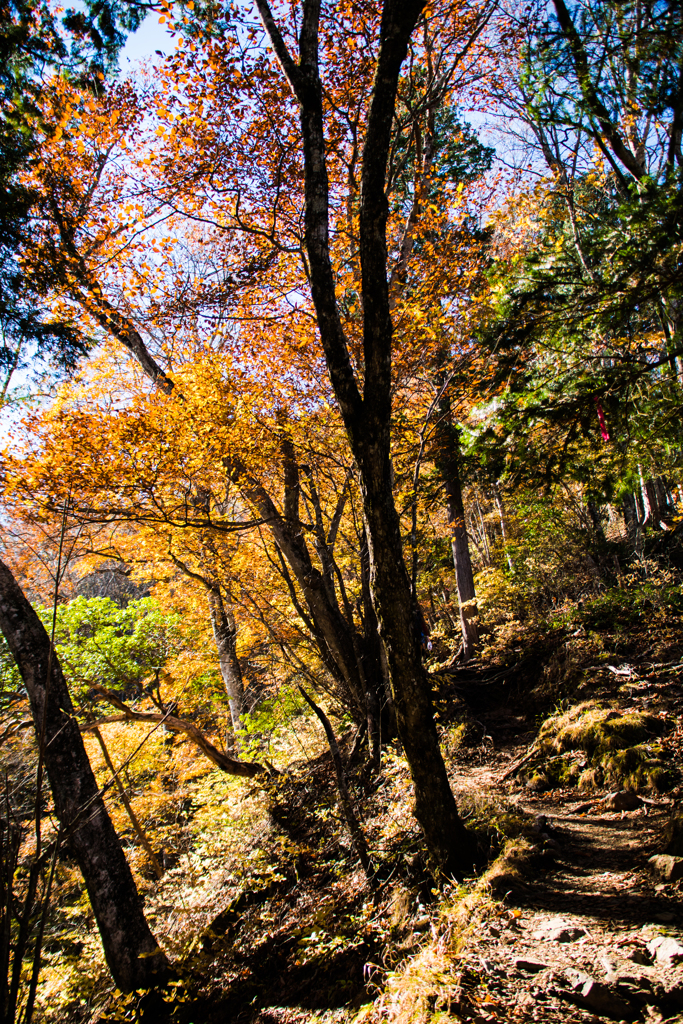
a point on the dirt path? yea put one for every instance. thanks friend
(577, 940)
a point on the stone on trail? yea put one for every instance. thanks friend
(531, 966)
(597, 996)
(559, 930)
(667, 867)
(641, 957)
(623, 800)
(603, 999)
(666, 950)
(673, 991)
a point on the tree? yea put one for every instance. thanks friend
(301, 492)
(366, 405)
(132, 953)
(263, 228)
(100, 644)
(33, 40)
(598, 98)
(585, 297)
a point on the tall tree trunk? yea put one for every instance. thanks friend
(633, 515)
(448, 842)
(497, 497)
(381, 712)
(448, 464)
(132, 953)
(645, 498)
(467, 597)
(225, 635)
(367, 416)
(596, 522)
(224, 628)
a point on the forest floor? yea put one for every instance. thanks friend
(570, 922)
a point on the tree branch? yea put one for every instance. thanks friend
(345, 797)
(589, 93)
(243, 769)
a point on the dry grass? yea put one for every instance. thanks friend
(438, 982)
(428, 988)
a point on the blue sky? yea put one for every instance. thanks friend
(149, 37)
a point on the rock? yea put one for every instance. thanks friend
(667, 867)
(623, 800)
(666, 950)
(674, 834)
(640, 956)
(576, 979)
(637, 990)
(531, 966)
(603, 999)
(558, 930)
(673, 994)
(597, 996)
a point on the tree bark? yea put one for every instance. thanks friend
(367, 417)
(381, 716)
(225, 635)
(434, 807)
(448, 464)
(132, 953)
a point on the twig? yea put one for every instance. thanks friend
(344, 795)
(518, 764)
(140, 832)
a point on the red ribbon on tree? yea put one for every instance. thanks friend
(601, 420)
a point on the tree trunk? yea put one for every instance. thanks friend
(225, 635)
(503, 528)
(645, 498)
(381, 716)
(132, 953)
(596, 523)
(448, 843)
(448, 464)
(367, 417)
